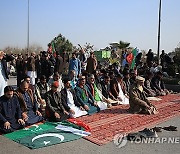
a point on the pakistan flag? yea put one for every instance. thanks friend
(42, 135)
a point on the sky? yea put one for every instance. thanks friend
(98, 22)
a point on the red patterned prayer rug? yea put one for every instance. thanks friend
(106, 124)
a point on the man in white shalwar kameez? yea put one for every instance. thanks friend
(117, 87)
(71, 103)
(122, 97)
(3, 70)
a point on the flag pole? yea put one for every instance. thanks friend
(159, 32)
(28, 31)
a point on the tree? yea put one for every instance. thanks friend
(60, 44)
(16, 50)
(120, 45)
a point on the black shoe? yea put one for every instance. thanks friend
(170, 128)
(148, 133)
(157, 129)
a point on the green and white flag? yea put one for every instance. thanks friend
(38, 136)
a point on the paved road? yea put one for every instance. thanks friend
(83, 146)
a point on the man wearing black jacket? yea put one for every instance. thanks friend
(47, 67)
(55, 110)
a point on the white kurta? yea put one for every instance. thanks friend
(102, 105)
(77, 110)
(125, 100)
(3, 80)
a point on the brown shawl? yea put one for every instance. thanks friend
(19, 94)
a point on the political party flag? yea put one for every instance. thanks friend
(51, 48)
(134, 52)
(131, 58)
(38, 136)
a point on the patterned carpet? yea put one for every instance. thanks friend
(106, 124)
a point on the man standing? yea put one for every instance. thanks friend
(150, 57)
(29, 107)
(91, 63)
(55, 110)
(31, 68)
(59, 65)
(47, 67)
(20, 69)
(75, 64)
(10, 112)
(57, 77)
(3, 70)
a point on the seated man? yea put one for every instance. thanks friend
(54, 104)
(105, 88)
(40, 89)
(73, 79)
(84, 97)
(28, 80)
(102, 103)
(147, 85)
(71, 103)
(10, 112)
(28, 104)
(137, 99)
(118, 89)
(158, 84)
(57, 77)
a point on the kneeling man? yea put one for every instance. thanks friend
(10, 112)
(137, 99)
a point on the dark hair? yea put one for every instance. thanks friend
(119, 75)
(43, 77)
(56, 74)
(91, 53)
(66, 80)
(23, 83)
(8, 88)
(106, 77)
(26, 76)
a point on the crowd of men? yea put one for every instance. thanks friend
(56, 88)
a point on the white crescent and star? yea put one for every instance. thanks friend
(61, 137)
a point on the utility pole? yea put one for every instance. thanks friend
(28, 31)
(159, 32)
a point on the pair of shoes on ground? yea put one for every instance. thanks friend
(146, 133)
(149, 133)
(169, 128)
